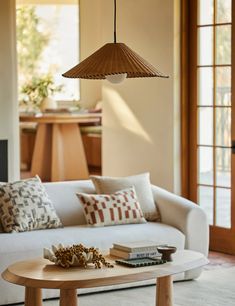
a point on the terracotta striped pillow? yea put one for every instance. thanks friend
(121, 207)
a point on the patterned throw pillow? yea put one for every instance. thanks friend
(25, 206)
(141, 182)
(122, 207)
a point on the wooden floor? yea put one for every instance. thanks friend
(220, 260)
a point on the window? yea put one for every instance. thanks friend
(48, 45)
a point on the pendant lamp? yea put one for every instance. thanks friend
(114, 62)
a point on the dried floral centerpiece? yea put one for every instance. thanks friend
(76, 255)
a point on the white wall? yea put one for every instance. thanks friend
(9, 126)
(141, 116)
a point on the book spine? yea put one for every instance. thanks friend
(127, 255)
(144, 249)
(135, 250)
(143, 254)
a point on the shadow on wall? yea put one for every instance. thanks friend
(122, 116)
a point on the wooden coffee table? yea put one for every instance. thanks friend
(40, 273)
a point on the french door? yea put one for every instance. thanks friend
(212, 116)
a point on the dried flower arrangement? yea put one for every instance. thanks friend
(76, 255)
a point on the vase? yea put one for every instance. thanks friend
(48, 103)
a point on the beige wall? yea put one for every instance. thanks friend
(141, 116)
(9, 127)
(90, 40)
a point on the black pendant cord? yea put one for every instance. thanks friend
(115, 21)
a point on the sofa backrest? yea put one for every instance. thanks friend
(65, 201)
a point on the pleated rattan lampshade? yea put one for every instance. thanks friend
(114, 61)
(111, 59)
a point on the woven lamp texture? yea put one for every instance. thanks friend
(113, 58)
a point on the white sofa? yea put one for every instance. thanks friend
(183, 225)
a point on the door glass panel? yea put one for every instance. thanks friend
(206, 11)
(223, 167)
(205, 165)
(223, 126)
(223, 45)
(205, 53)
(205, 125)
(205, 86)
(223, 11)
(214, 109)
(205, 196)
(223, 85)
(223, 207)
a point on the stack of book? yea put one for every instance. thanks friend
(132, 250)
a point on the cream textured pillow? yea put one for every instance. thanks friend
(141, 182)
(121, 207)
(25, 206)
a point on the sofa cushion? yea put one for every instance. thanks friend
(65, 201)
(141, 182)
(31, 244)
(25, 205)
(121, 207)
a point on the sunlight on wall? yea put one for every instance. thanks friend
(123, 115)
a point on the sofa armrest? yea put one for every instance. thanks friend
(186, 216)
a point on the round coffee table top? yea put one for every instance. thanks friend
(41, 273)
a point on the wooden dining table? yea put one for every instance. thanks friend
(58, 153)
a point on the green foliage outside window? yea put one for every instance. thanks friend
(31, 42)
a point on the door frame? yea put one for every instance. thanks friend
(221, 239)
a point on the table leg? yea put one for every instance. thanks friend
(68, 297)
(68, 155)
(164, 291)
(41, 159)
(33, 296)
(59, 153)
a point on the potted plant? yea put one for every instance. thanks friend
(38, 93)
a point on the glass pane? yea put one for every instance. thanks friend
(205, 43)
(223, 167)
(206, 166)
(46, 49)
(223, 126)
(205, 196)
(205, 125)
(224, 11)
(223, 207)
(206, 11)
(205, 86)
(223, 86)
(223, 45)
